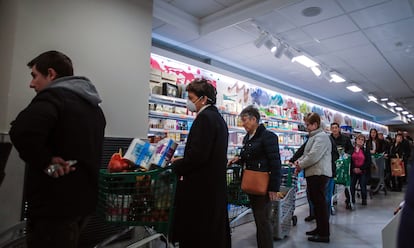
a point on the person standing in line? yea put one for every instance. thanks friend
(397, 150)
(343, 143)
(360, 163)
(63, 122)
(201, 218)
(260, 152)
(316, 162)
(405, 237)
(374, 144)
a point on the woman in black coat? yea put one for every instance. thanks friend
(201, 218)
(397, 151)
(261, 153)
(360, 164)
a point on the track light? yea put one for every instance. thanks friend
(336, 78)
(264, 36)
(270, 45)
(289, 54)
(281, 48)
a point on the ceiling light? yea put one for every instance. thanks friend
(410, 116)
(281, 48)
(404, 112)
(371, 98)
(354, 88)
(302, 59)
(336, 78)
(316, 70)
(270, 45)
(391, 104)
(384, 99)
(289, 54)
(264, 36)
(399, 109)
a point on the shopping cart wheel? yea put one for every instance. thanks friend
(294, 220)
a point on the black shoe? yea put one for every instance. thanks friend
(309, 218)
(348, 206)
(312, 233)
(364, 202)
(321, 239)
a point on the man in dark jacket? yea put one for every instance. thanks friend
(342, 141)
(63, 122)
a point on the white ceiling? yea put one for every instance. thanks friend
(370, 42)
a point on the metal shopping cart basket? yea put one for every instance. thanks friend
(138, 199)
(343, 177)
(282, 213)
(238, 201)
(377, 173)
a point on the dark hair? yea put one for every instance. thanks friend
(55, 60)
(334, 124)
(376, 134)
(251, 111)
(312, 118)
(203, 87)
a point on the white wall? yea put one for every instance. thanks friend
(109, 41)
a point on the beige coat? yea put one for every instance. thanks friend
(316, 158)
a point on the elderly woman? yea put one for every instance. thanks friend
(260, 152)
(316, 161)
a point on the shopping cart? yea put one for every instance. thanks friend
(135, 199)
(282, 213)
(238, 201)
(343, 177)
(377, 173)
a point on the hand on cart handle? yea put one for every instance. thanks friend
(298, 168)
(232, 161)
(274, 195)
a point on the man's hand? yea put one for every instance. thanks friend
(298, 169)
(60, 167)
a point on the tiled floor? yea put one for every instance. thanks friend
(360, 228)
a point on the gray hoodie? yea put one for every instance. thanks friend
(80, 85)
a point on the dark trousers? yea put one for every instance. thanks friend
(52, 233)
(405, 230)
(362, 179)
(330, 188)
(317, 191)
(262, 207)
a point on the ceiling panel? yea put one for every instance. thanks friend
(156, 23)
(198, 9)
(172, 32)
(352, 5)
(228, 3)
(296, 37)
(382, 14)
(274, 22)
(294, 12)
(345, 41)
(331, 28)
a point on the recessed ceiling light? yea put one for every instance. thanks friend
(392, 104)
(304, 60)
(384, 99)
(404, 112)
(410, 116)
(311, 11)
(354, 88)
(372, 98)
(398, 108)
(336, 78)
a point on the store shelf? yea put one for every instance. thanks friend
(282, 131)
(159, 130)
(166, 115)
(167, 100)
(276, 118)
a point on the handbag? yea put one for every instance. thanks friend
(397, 167)
(255, 182)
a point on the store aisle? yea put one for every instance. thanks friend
(360, 228)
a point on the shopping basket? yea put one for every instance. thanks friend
(282, 213)
(138, 198)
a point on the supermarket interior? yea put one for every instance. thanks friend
(349, 61)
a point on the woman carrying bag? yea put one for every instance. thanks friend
(260, 153)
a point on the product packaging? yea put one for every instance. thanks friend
(164, 151)
(139, 152)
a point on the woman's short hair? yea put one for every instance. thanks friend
(360, 136)
(203, 87)
(312, 118)
(251, 111)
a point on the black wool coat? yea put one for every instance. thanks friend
(201, 218)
